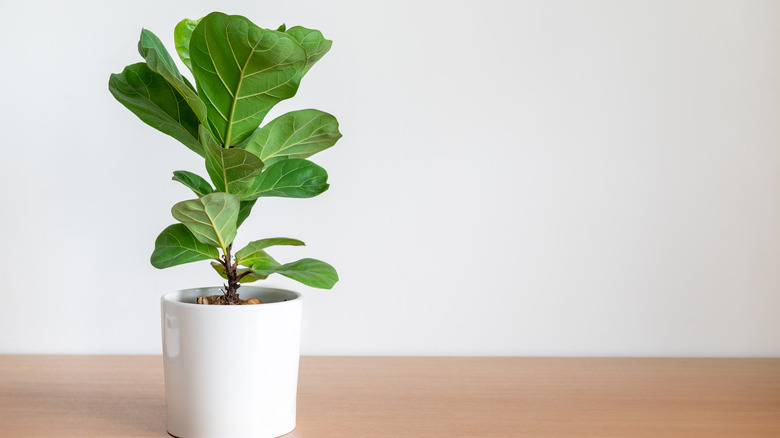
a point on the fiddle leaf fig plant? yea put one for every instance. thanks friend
(241, 71)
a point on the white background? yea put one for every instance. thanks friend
(515, 178)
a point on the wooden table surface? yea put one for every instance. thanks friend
(123, 396)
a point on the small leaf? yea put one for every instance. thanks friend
(242, 71)
(177, 245)
(232, 170)
(293, 178)
(297, 134)
(311, 272)
(211, 218)
(182, 34)
(248, 278)
(245, 207)
(258, 257)
(206, 138)
(159, 60)
(282, 28)
(194, 182)
(253, 253)
(313, 42)
(149, 96)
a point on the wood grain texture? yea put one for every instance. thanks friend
(123, 396)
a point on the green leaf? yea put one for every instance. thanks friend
(182, 34)
(282, 28)
(177, 245)
(293, 178)
(311, 272)
(232, 170)
(245, 207)
(297, 134)
(194, 182)
(149, 96)
(253, 253)
(242, 71)
(313, 42)
(211, 218)
(206, 138)
(249, 278)
(258, 257)
(159, 60)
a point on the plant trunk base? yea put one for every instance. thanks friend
(221, 300)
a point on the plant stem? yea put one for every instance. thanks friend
(230, 271)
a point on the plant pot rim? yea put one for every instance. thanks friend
(187, 297)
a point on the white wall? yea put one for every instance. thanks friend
(515, 178)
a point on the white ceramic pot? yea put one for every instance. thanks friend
(231, 371)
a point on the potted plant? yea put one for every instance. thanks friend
(230, 357)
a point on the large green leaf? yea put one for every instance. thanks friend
(242, 71)
(159, 60)
(211, 218)
(177, 245)
(182, 34)
(157, 103)
(311, 272)
(297, 134)
(313, 42)
(253, 253)
(293, 178)
(245, 207)
(248, 278)
(194, 182)
(232, 170)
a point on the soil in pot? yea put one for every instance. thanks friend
(222, 300)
